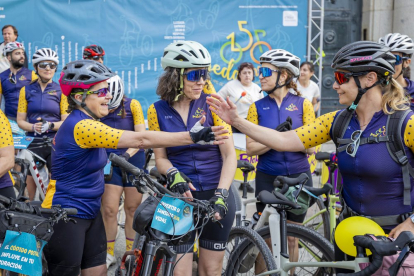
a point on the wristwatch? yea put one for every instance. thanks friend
(51, 126)
(223, 192)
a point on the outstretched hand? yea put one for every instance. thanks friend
(225, 109)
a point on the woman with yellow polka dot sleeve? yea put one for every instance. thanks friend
(6, 157)
(203, 172)
(78, 160)
(125, 114)
(372, 180)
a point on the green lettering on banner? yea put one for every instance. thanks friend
(22, 253)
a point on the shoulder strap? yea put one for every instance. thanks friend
(396, 149)
(340, 124)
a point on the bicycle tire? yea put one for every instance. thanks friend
(320, 223)
(237, 202)
(241, 242)
(309, 240)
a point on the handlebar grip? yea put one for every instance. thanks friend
(323, 156)
(71, 211)
(122, 163)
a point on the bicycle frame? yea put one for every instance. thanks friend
(278, 235)
(41, 184)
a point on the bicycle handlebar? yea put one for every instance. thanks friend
(323, 156)
(285, 182)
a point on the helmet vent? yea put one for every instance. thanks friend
(69, 76)
(83, 78)
(181, 57)
(179, 44)
(202, 53)
(193, 53)
(79, 65)
(187, 53)
(166, 52)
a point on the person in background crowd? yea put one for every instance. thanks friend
(94, 52)
(10, 34)
(308, 88)
(13, 79)
(42, 107)
(402, 47)
(126, 114)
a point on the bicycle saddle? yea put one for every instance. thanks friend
(267, 197)
(245, 166)
(155, 173)
(281, 180)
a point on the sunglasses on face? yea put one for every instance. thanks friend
(399, 59)
(101, 92)
(342, 77)
(44, 65)
(196, 75)
(97, 58)
(352, 148)
(266, 72)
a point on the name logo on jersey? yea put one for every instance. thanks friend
(168, 117)
(53, 92)
(199, 113)
(292, 107)
(266, 108)
(22, 78)
(379, 133)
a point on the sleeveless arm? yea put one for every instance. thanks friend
(137, 113)
(92, 134)
(318, 132)
(308, 113)
(153, 119)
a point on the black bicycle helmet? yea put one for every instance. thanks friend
(365, 56)
(92, 51)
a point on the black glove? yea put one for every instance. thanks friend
(202, 135)
(177, 182)
(219, 204)
(285, 126)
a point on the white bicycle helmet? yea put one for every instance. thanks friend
(11, 46)
(282, 59)
(45, 54)
(185, 54)
(116, 88)
(398, 43)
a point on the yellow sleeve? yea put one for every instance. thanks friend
(153, 119)
(1, 90)
(317, 132)
(22, 106)
(252, 114)
(409, 134)
(64, 105)
(308, 112)
(137, 113)
(6, 137)
(34, 76)
(209, 88)
(92, 134)
(219, 122)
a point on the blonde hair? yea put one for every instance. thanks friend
(394, 97)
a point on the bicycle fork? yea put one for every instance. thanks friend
(154, 251)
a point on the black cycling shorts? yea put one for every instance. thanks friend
(265, 181)
(45, 153)
(213, 237)
(76, 246)
(8, 192)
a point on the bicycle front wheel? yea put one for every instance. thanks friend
(313, 247)
(318, 219)
(246, 253)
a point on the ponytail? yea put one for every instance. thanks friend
(394, 97)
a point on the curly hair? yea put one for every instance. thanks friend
(169, 85)
(291, 84)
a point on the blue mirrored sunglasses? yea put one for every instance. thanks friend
(399, 59)
(196, 75)
(266, 72)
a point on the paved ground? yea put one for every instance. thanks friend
(120, 240)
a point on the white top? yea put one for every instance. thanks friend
(310, 92)
(234, 89)
(4, 62)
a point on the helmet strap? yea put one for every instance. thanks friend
(83, 104)
(181, 90)
(277, 84)
(361, 92)
(402, 72)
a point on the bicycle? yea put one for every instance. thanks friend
(30, 162)
(311, 244)
(27, 217)
(152, 252)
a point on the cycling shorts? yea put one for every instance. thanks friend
(212, 237)
(44, 152)
(8, 191)
(76, 246)
(138, 160)
(264, 182)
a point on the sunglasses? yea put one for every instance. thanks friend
(44, 65)
(266, 72)
(11, 79)
(196, 75)
(399, 59)
(96, 58)
(342, 77)
(101, 92)
(352, 147)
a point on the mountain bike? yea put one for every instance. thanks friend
(152, 252)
